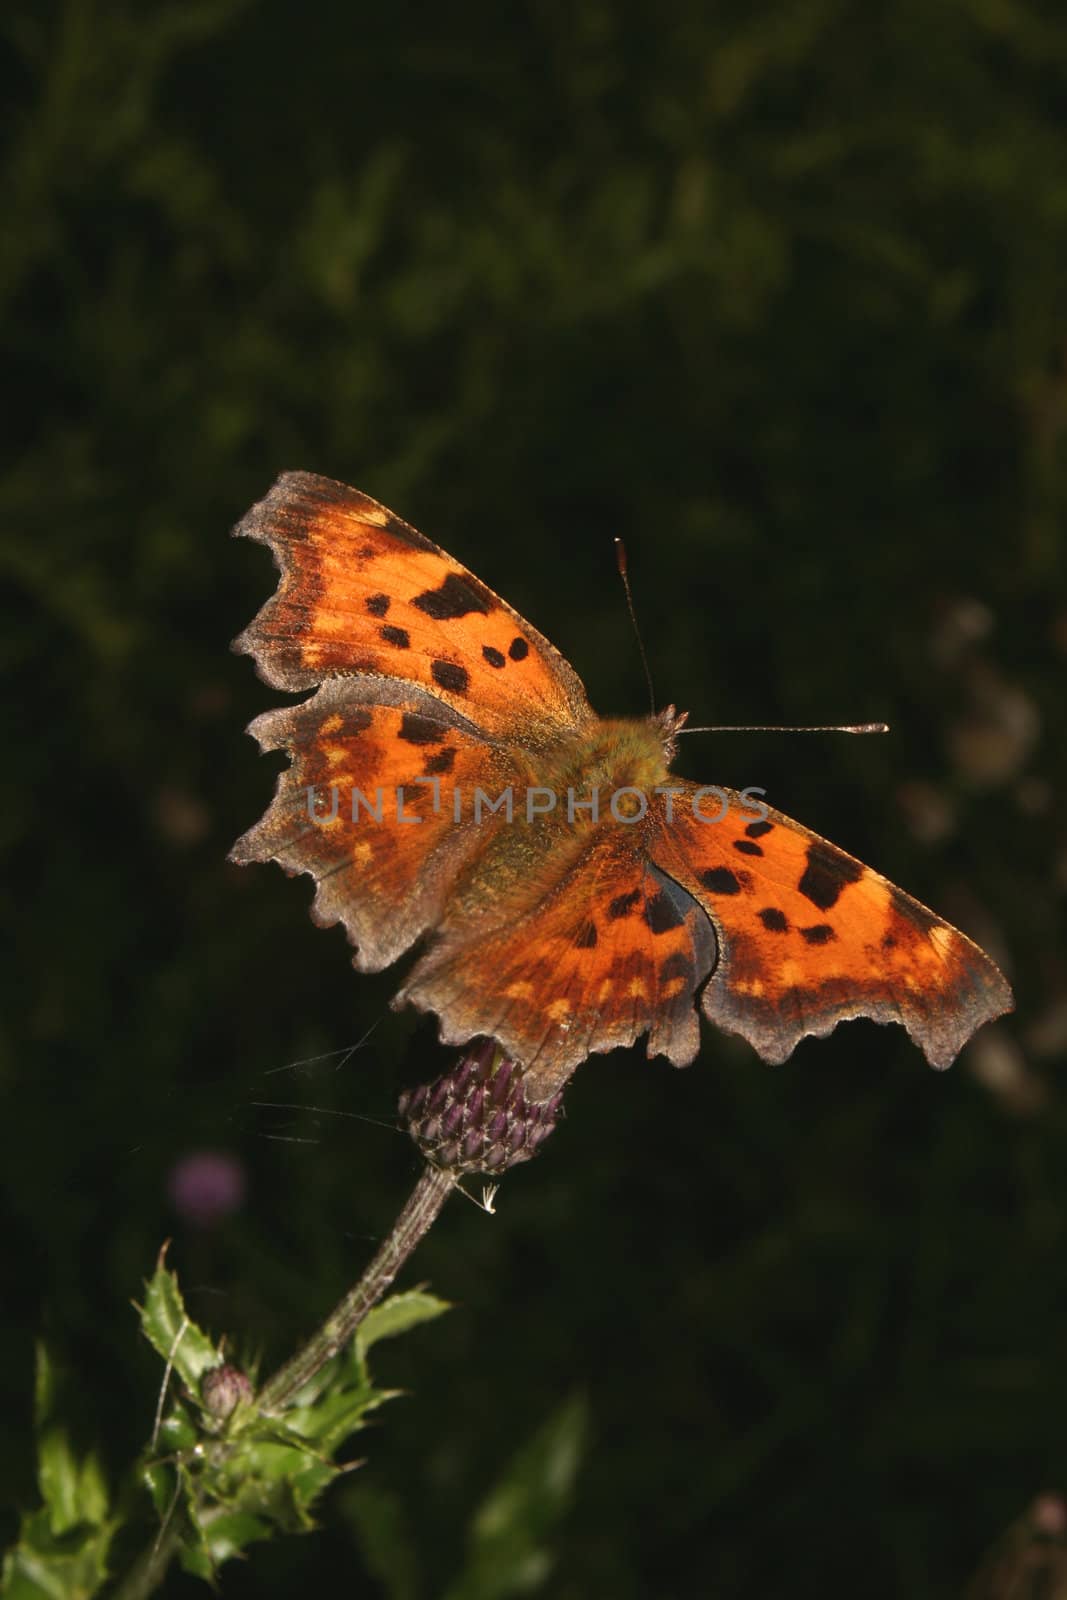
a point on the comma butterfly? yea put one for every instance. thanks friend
(448, 778)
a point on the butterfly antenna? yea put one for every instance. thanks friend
(772, 727)
(620, 562)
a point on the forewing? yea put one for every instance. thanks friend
(362, 593)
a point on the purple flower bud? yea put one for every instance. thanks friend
(206, 1186)
(476, 1118)
(222, 1389)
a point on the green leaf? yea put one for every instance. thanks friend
(73, 1491)
(397, 1315)
(63, 1545)
(44, 1567)
(177, 1432)
(227, 1534)
(168, 1329)
(337, 1414)
(158, 1479)
(196, 1559)
(509, 1544)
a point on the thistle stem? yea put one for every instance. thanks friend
(149, 1571)
(417, 1217)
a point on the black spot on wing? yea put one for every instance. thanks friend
(757, 830)
(495, 658)
(396, 636)
(456, 597)
(623, 904)
(377, 604)
(518, 649)
(354, 721)
(661, 913)
(827, 873)
(720, 880)
(773, 920)
(421, 730)
(450, 676)
(440, 762)
(820, 933)
(677, 965)
(747, 848)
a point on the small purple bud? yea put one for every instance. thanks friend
(206, 1186)
(222, 1389)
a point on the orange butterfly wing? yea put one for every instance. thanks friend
(808, 936)
(593, 957)
(363, 593)
(365, 808)
(423, 672)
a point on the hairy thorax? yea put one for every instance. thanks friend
(621, 761)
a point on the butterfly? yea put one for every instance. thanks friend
(450, 783)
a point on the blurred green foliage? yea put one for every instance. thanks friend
(773, 290)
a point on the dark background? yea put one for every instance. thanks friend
(774, 291)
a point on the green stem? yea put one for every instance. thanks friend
(148, 1572)
(417, 1217)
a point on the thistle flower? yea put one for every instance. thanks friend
(476, 1117)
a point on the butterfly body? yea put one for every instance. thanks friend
(616, 754)
(450, 783)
